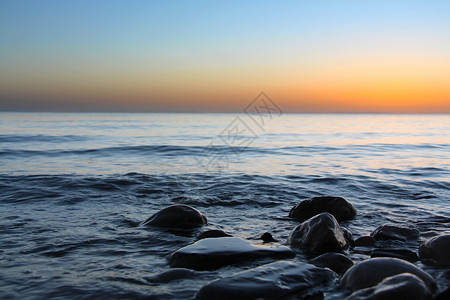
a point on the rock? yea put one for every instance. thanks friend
(319, 234)
(267, 237)
(443, 295)
(337, 262)
(402, 286)
(404, 254)
(171, 275)
(214, 233)
(181, 216)
(337, 206)
(436, 250)
(348, 235)
(210, 254)
(364, 241)
(395, 232)
(270, 281)
(369, 273)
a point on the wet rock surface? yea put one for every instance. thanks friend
(436, 250)
(395, 232)
(337, 262)
(404, 254)
(370, 272)
(364, 241)
(267, 237)
(214, 233)
(270, 281)
(319, 234)
(177, 216)
(210, 254)
(340, 208)
(402, 286)
(171, 275)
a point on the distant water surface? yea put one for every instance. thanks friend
(75, 186)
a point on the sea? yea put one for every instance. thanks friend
(75, 188)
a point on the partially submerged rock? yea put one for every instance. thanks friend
(402, 286)
(337, 262)
(436, 250)
(319, 234)
(171, 275)
(177, 216)
(267, 238)
(364, 241)
(270, 281)
(214, 233)
(210, 254)
(395, 232)
(370, 272)
(404, 254)
(340, 208)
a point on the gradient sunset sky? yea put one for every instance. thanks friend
(216, 56)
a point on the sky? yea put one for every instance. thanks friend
(216, 56)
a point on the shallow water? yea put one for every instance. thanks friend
(74, 188)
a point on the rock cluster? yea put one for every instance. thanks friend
(389, 273)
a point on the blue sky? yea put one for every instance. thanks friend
(75, 50)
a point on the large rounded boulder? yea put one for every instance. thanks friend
(371, 272)
(436, 251)
(395, 232)
(402, 286)
(340, 208)
(178, 216)
(319, 234)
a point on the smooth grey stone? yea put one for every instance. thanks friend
(395, 232)
(317, 235)
(270, 281)
(370, 272)
(436, 250)
(177, 216)
(210, 254)
(402, 286)
(340, 208)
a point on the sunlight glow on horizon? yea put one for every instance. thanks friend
(204, 56)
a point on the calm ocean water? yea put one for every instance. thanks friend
(74, 187)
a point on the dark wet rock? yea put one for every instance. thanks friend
(348, 235)
(436, 250)
(267, 237)
(337, 262)
(369, 273)
(319, 234)
(340, 208)
(364, 241)
(210, 254)
(214, 233)
(178, 216)
(270, 281)
(402, 286)
(404, 254)
(395, 232)
(443, 295)
(171, 275)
